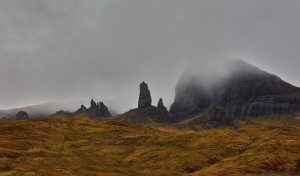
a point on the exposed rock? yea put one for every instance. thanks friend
(161, 106)
(98, 110)
(21, 115)
(81, 110)
(246, 91)
(216, 116)
(145, 116)
(145, 96)
(93, 104)
(190, 98)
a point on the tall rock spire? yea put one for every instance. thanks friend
(161, 106)
(145, 96)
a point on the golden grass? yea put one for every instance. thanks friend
(81, 146)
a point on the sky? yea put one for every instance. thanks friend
(73, 50)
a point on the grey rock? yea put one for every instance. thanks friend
(161, 106)
(246, 91)
(144, 97)
(93, 104)
(98, 110)
(81, 110)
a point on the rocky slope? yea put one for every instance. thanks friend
(245, 91)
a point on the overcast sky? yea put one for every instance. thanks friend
(75, 50)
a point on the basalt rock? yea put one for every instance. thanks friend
(93, 104)
(144, 97)
(81, 110)
(98, 110)
(190, 98)
(145, 113)
(246, 91)
(161, 106)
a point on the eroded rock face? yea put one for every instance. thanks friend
(93, 104)
(190, 98)
(246, 91)
(81, 110)
(161, 105)
(145, 96)
(96, 110)
(144, 116)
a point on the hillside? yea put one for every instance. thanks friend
(83, 146)
(242, 91)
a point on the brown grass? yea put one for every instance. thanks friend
(81, 146)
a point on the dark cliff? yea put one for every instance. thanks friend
(245, 91)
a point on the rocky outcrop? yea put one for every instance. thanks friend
(216, 116)
(144, 97)
(190, 98)
(81, 110)
(161, 105)
(245, 91)
(96, 110)
(145, 114)
(93, 104)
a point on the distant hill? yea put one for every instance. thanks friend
(41, 110)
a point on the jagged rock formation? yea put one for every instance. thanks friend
(93, 104)
(145, 113)
(81, 110)
(145, 96)
(98, 110)
(21, 115)
(161, 105)
(246, 91)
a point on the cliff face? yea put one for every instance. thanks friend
(190, 98)
(246, 91)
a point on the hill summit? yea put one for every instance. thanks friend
(244, 91)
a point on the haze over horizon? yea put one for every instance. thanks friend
(72, 50)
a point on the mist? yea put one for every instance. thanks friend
(71, 51)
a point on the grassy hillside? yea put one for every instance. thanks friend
(81, 146)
